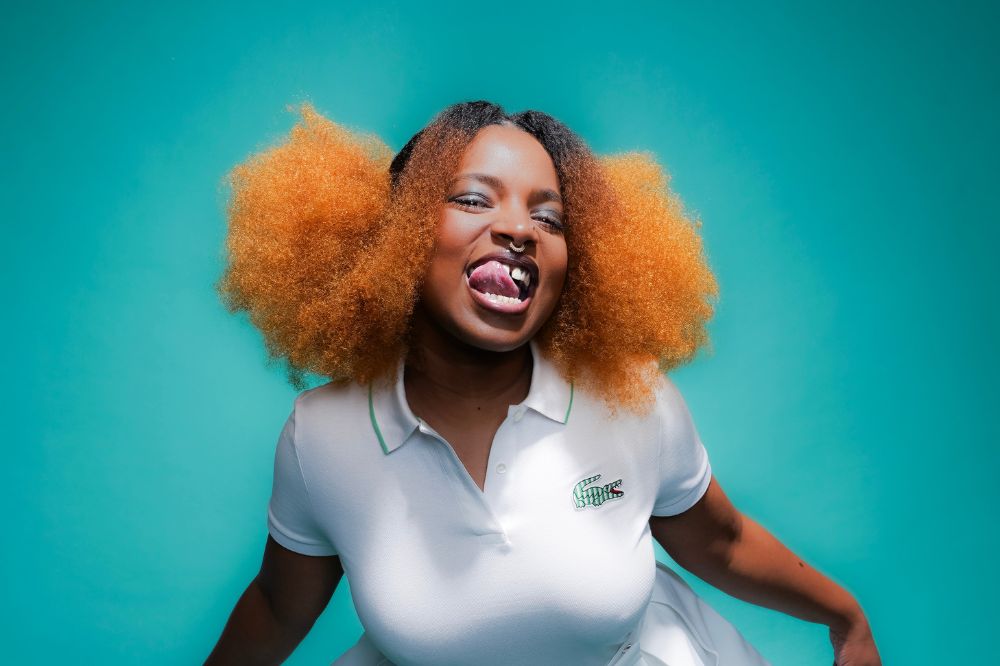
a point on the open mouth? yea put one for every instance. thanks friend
(501, 286)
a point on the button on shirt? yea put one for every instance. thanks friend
(552, 562)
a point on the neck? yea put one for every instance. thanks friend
(442, 367)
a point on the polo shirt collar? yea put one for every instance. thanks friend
(549, 394)
(394, 423)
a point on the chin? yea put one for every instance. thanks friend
(471, 324)
(493, 344)
(494, 339)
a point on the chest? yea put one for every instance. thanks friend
(534, 546)
(512, 529)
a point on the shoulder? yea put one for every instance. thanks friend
(669, 404)
(678, 434)
(656, 404)
(668, 415)
(332, 395)
(329, 409)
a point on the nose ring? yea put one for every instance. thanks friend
(516, 248)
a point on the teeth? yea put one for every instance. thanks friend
(521, 275)
(497, 298)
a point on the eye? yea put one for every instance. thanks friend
(470, 201)
(551, 220)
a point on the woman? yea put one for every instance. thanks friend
(496, 308)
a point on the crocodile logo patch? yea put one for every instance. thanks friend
(596, 495)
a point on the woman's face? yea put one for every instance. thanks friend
(505, 191)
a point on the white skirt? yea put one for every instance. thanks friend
(677, 629)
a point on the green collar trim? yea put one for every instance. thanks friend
(570, 405)
(378, 431)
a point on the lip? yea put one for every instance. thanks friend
(503, 308)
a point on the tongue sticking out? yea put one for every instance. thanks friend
(493, 278)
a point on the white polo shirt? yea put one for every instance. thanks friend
(552, 563)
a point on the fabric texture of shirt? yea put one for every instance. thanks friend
(552, 562)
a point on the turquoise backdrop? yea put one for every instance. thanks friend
(841, 156)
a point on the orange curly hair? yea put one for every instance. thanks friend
(329, 237)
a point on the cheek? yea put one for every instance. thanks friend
(560, 265)
(451, 248)
(453, 237)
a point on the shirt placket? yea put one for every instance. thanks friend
(502, 473)
(487, 510)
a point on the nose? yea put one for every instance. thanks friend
(516, 228)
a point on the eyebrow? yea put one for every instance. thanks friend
(544, 194)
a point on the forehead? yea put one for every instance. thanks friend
(511, 154)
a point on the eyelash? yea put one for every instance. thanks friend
(462, 202)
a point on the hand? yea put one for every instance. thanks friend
(854, 645)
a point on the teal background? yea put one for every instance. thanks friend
(843, 160)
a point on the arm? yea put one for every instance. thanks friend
(278, 608)
(717, 543)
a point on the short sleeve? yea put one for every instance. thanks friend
(684, 469)
(290, 518)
